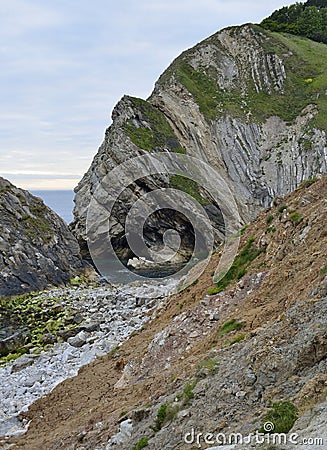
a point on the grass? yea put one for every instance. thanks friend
(143, 442)
(189, 186)
(281, 209)
(283, 415)
(36, 224)
(323, 270)
(305, 83)
(212, 100)
(312, 58)
(237, 339)
(238, 269)
(270, 219)
(306, 61)
(209, 364)
(157, 134)
(295, 217)
(229, 326)
(307, 183)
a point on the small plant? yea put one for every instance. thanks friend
(308, 182)
(270, 219)
(295, 217)
(180, 305)
(123, 413)
(323, 270)
(143, 442)
(165, 414)
(209, 364)
(230, 325)
(281, 209)
(161, 416)
(238, 269)
(237, 339)
(242, 230)
(188, 393)
(114, 350)
(282, 415)
(271, 230)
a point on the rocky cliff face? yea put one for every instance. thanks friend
(213, 363)
(36, 246)
(249, 103)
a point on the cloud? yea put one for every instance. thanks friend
(65, 64)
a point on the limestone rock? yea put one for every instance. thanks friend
(257, 150)
(36, 247)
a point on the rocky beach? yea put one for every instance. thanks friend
(106, 316)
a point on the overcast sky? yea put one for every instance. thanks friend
(66, 63)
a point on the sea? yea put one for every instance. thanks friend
(59, 201)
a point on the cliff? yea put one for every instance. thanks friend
(249, 103)
(255, 352)
(36, 247)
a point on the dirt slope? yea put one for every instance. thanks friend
(278, 352)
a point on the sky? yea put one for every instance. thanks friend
(66, 63)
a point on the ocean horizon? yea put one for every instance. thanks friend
(60, 201)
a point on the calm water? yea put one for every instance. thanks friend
(59, 201)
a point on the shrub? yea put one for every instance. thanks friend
(165, 414)
(188, 393)
(283, 415)
(295, 217)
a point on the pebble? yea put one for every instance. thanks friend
(110, 314)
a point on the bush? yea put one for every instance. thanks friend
(165, 414)
(295, 217)
(304, 19)
(283, 415)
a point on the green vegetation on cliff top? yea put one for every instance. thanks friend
(305, 64)
(306, 83)
(153, 130)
